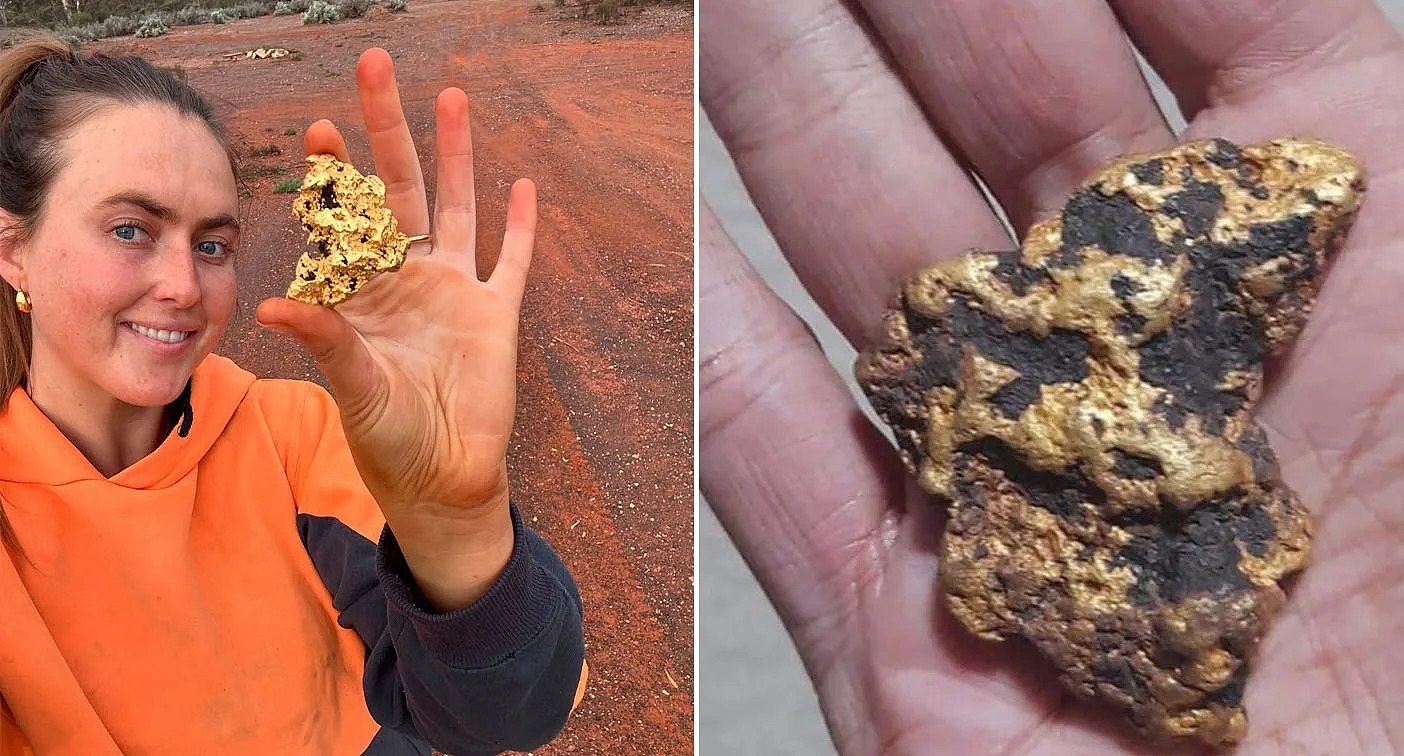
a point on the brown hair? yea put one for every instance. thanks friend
(46, 89)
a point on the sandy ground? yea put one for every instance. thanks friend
(601, 118)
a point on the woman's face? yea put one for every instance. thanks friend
(131, 268)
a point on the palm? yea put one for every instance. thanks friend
(423, 360)
(447, 343)
(820, 510)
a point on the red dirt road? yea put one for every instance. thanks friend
(601, 118)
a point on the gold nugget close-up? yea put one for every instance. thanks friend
(1083, 407)
(356, 235)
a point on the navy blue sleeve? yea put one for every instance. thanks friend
(498, 675)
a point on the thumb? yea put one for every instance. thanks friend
(339, 350)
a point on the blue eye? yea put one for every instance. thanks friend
(214, 249)
(128, 232)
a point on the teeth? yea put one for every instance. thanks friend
(170, 337)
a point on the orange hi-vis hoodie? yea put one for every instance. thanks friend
(236, 591)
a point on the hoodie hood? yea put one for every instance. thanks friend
(34, 450)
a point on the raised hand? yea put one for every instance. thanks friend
(422, 361)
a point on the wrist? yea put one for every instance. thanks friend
(455, 555)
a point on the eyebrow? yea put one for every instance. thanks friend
(152, 206)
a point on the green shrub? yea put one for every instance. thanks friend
(321, 12)
(152, 27)
(252, 9)
(612, 11)
(354, 8)
(117, 26)
(79, 35)
(190, 15)
(289, 132)
(604, 11)
(221, 16)
(108, 27)
(397, 6)
(288, 185)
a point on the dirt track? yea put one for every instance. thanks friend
(601, 118)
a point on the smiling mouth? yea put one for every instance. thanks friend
(169, 337)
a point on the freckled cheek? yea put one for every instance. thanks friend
(84, 297)
(221, 294)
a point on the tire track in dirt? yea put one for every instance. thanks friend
(629, 707)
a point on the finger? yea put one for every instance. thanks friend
(837, 157)
(518, 240)
(454, 209)
(396, 161)
(323, 138)
(1036, 94)
(339, 351)
(1214, 53)
(799, 479)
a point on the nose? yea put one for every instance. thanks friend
(175, 277)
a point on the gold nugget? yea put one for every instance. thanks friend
(1083, 406)
(356, 235)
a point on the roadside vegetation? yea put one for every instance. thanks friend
(80, 21)
(605, 11)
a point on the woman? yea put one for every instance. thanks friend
(202, 560)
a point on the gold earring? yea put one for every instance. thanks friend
(22, 301)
